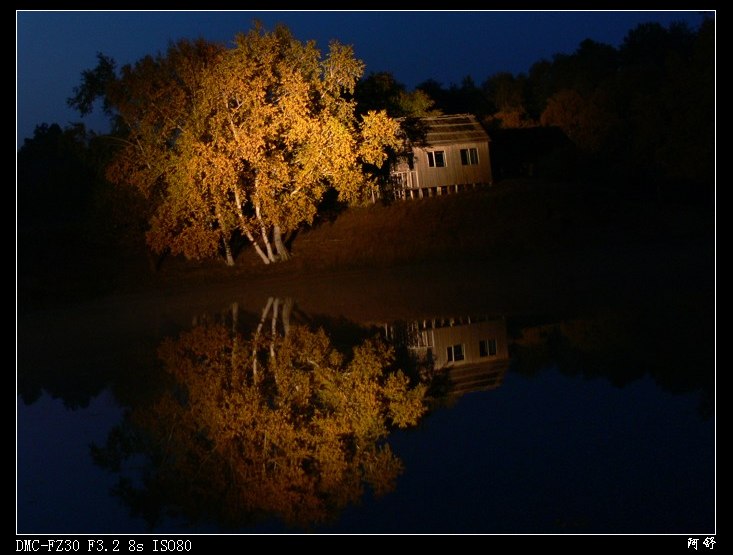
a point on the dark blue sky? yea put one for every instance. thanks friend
(53, 48)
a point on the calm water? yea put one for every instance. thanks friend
(591, 411)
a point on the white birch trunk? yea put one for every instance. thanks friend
(257, 336)
(282, 250)
(246, 231)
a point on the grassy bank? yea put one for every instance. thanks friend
(511, 220)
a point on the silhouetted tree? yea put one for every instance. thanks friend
(56, 179)
(70, 221)
(457, 99)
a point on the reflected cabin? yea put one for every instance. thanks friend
(448, 154)
(472, 353)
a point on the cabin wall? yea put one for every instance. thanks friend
(453, 173)
(469, 337)
(425, 180)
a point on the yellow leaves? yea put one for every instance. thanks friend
(341, 70)
(406, 405)
(378, 132)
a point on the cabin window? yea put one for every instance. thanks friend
(455, 353)
(436, 158)
(487, 348)
(469, 156)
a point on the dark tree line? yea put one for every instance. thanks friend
(72, 224)
(641, 116)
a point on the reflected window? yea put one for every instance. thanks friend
(455, 353)
(436, 158)
(469, 156)
(487, 348)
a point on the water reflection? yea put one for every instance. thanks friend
(276, 422)
(622, 345)
(457, 355)
(270, 416)
(254, 413)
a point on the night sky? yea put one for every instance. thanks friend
(53, 48)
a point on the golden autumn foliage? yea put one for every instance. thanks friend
(243, 141)
(297, 436)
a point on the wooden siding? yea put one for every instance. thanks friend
(469, 335)
(437, 334)
(453, 173)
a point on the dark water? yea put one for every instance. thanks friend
(586, 410)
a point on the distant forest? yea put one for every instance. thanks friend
(639, 119)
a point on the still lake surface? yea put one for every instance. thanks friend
(588, 408)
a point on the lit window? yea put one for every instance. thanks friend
(469, 156)
(455, 353)
(436, 158)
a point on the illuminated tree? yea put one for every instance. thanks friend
(299, 435)
(241, 141)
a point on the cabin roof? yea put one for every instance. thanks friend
(451, 129)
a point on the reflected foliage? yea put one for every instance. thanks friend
(272, 424)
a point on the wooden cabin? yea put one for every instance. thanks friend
(451, 155)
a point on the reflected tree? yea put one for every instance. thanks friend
(274, 424)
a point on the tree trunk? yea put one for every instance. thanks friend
(228, 253)
(256, 245)
(277, 238)
(273, 331)
(255, 340)
(265, 239)
(287, 309)
(268, 247)
(224, 237)
(245, 228)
